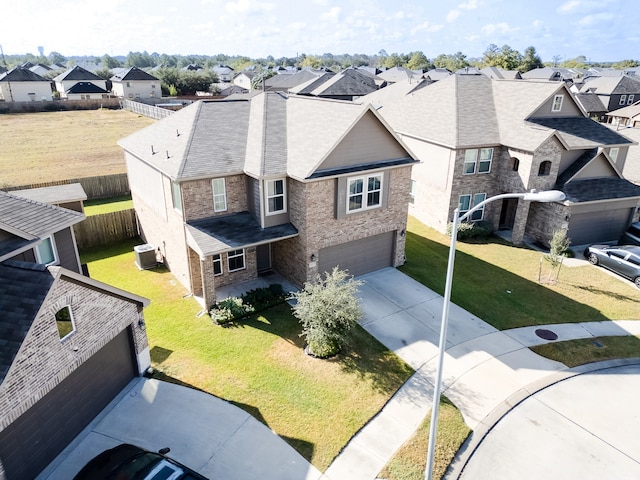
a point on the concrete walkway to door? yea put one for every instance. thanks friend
(485, 370)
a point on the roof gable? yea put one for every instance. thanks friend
(367, 142)
(86, 87)
(77, 73)
(132, 74)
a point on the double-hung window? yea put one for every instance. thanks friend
(364, 192)
(623, 100)
(235, 260)
(219, 195)
(46, 252)
(467, 202)
(276, 196)
(481, 158)
(630, 99)
(217, 264)
(557, 103)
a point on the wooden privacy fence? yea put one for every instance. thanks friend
(106, 228)
(105, 186)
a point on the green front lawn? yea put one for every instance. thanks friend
(107, 205)
(498, 282)
(586, 350)
(315, 405)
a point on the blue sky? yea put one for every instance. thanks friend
(601, 30)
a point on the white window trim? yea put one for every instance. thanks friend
(613, 153)
(73, 322)
(365, 192)
(174, 186)
(218, 261)
(623, 100)
(557, 108)
(244, 260)
(218, 195)
(476, 163)
(54, 250)
(630, 99)
(472, 204)
(269, 197)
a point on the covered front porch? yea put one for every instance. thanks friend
(228, 251)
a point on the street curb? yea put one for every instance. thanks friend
(473, 441)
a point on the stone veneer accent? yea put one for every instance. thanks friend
(43, 360)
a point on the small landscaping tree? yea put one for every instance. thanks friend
(328, 309)
(558, 250)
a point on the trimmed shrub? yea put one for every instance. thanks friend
(234, 308)
(229, 309)
(467, 230)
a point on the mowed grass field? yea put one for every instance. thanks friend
(51, 146)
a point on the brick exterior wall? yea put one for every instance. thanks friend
(198, 197)
(312, 212)
(43, 361)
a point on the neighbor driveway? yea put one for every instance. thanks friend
(208, 434)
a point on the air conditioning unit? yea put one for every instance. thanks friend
(145, 256)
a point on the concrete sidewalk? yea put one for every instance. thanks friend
(483, 367)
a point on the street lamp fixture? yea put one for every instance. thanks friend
(545, 196)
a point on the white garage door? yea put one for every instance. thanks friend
(359, 256)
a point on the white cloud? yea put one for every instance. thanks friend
(537, 24)
(492, 28)
(470, 5)
(595, 19)
(332, 14)
(245, 7)
(322, 3)
(568, 7)
(427, 27)
(452, 15)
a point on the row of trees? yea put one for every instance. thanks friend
(504, 57)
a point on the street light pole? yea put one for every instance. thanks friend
(534, 196)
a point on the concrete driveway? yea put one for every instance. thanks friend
(584, 427)
(205, 433)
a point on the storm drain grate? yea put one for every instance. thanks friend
(546, 334)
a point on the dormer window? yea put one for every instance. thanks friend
(557, 103)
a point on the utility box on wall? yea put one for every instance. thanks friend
(145, 256)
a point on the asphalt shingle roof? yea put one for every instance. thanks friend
(77, 73)
(220, 234)
(86, 87)
(19, 309)
(20, 74)
(133, 73)
(582, 132)
(593, 189)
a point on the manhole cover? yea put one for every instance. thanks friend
(546, 334)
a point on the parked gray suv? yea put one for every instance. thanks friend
(631, 236)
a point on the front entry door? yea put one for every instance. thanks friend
(508, 213)
(263, 257)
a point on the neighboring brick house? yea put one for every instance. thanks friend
(90, 83)
(614, 92)
(477, 137)
(134, 83)
(285, 183)
(68, 344)
(22, 85)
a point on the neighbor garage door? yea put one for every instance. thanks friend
(601, 226)
(30, 443)
(360, 256)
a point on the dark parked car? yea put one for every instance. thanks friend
(623, 260)
(632, 235)
(128, 462)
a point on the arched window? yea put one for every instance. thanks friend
(515, 164)
(545, 168)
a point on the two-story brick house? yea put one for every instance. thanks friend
(477, 137)
(68, 343)
(230, 189)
